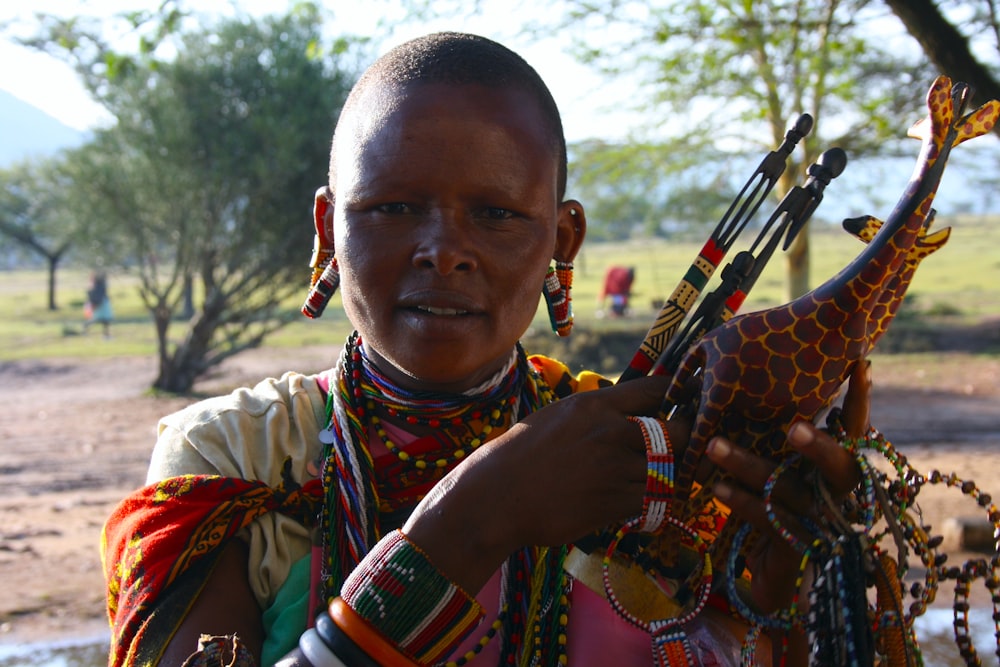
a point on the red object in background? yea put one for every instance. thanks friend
(618, 286)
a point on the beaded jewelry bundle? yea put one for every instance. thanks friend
(858, 554)
(860, 610)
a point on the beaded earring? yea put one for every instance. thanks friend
(325, 274)
(558, 282)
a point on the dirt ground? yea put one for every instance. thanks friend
(75, 437)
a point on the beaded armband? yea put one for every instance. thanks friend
(397, 591)
(659, 474)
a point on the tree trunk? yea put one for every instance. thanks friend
(188, 309)
(53, 261)
(179, 370)
(946, 47)
(797, 263)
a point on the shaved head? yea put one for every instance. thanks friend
(446, 58)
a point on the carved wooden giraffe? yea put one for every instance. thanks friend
(765, 370)
(926, 243)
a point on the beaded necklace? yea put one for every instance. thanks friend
(534, 591)
(468, 418)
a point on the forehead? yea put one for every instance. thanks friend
(440, 112)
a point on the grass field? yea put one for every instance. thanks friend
(962, 280)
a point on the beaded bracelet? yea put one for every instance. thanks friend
(659, 474)
(398, 591)
(670, 644)
(660, 627)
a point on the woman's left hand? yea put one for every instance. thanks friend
(773, 563)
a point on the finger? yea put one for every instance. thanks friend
(835, 464)
(751, 471)
(856, 415)
(641, 396)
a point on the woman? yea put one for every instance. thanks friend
(446, 208)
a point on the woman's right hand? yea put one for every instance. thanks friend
(571, 468)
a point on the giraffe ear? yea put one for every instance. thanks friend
(979, 122)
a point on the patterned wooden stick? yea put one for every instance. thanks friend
(742, 273)
(745, 205)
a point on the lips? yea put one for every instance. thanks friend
(439, 302)
(433, 310)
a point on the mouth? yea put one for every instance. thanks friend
(434, 310)
(441, 303)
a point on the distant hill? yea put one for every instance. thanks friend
(27, 131)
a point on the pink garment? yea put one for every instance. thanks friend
(597, 636)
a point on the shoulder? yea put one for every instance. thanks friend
(247, 433)
(563, 382)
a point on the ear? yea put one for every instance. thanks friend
(571, 228)
(323, 216)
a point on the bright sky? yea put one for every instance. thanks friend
(592, 107)
(52, 86)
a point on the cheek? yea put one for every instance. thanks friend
(359, 285)
(526, 290)
(359, 260)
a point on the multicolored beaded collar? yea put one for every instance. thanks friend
(467, 419)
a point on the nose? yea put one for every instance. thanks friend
(446, 243)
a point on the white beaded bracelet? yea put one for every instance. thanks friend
(659, 474)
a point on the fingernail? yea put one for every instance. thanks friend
(722, 491)
(719, 447)
(800, 434)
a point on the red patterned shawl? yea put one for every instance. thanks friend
(191, 517)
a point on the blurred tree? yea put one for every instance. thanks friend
(719, 69)
(626, 193)
(950, 44)
(34, 210)
(209, 173)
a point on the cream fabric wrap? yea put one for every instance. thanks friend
(248, 434)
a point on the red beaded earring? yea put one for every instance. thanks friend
(556, 290)
(325, 274)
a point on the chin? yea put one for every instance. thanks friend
(456, 373)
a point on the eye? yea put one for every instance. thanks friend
(497, 213)
(395, 208)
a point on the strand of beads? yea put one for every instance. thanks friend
(497, 417)
(670, 644)
(902, 494)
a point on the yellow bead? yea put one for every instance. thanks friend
(441, 463)
(421, 464)
(403, 456)
(459, 453)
